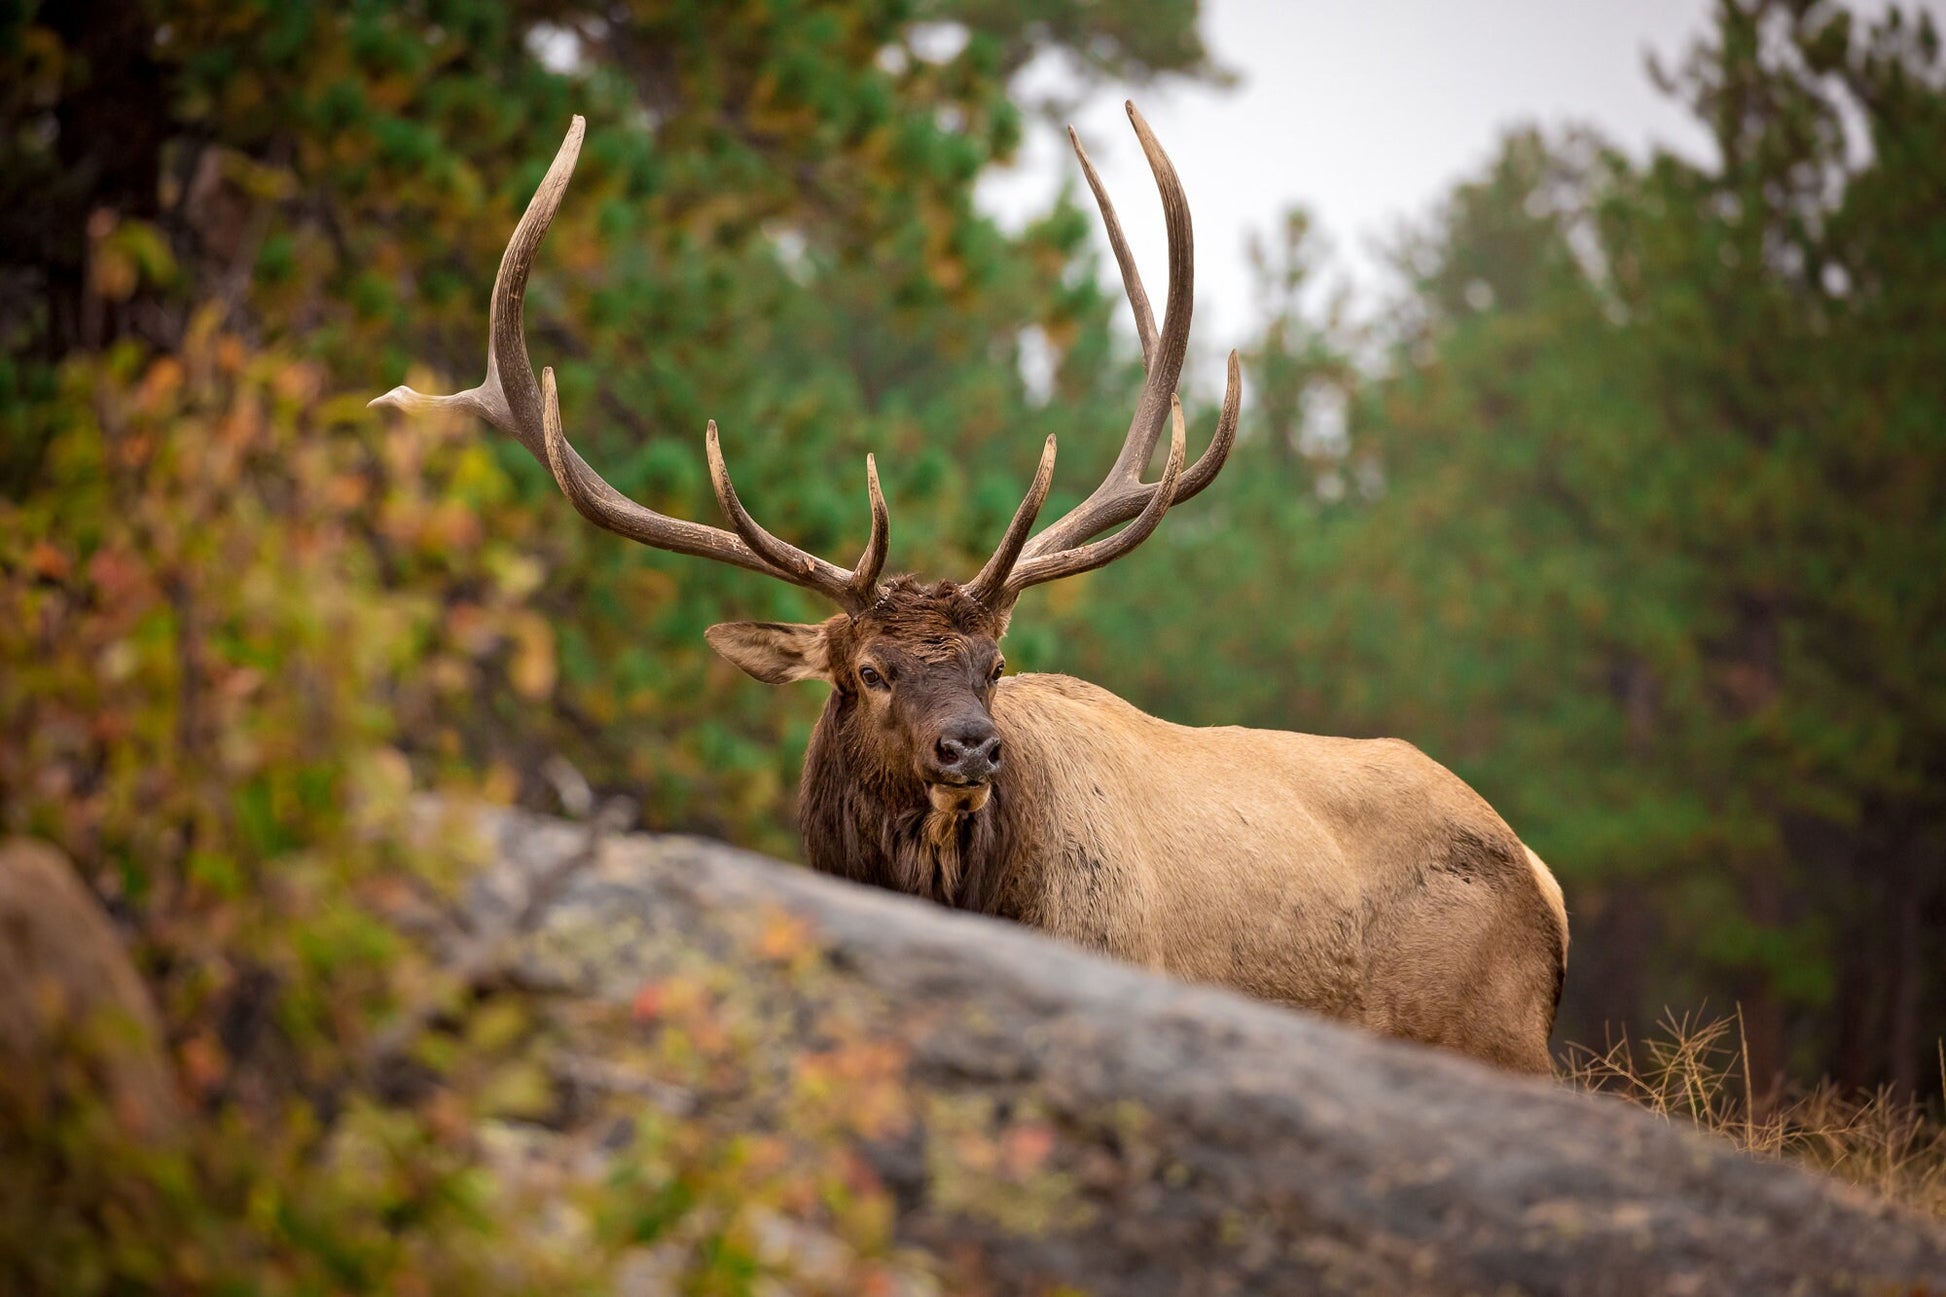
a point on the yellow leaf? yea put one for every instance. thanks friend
(532, 670)
(521, 1089)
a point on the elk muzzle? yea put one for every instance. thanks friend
(965, 758)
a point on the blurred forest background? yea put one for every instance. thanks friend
(1635, 515)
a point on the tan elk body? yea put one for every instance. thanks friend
(1355, 878)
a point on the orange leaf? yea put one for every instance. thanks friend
(202, 1063)
(647, 1005)
(49, 561)
(1027, 1146)
(784, 937)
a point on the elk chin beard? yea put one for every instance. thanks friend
(952, 805)
(958, 799)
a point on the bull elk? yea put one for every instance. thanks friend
(1356, 878)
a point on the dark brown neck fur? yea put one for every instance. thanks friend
(886, 833)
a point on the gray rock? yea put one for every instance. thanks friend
(1191, 1141)
(75, 1016)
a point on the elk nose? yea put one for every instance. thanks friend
(969, 753)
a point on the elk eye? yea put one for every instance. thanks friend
(871, 678)
(999, 669)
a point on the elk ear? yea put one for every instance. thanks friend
(774, 652)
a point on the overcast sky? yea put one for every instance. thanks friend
(1363, 112)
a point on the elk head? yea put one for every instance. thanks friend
(913, 666)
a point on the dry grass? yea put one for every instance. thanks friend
(1697, 1069)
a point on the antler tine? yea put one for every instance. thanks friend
(1086, 558)
(1159, 387)
(513, 402)
(1063, 548)
(864, 577)
(787, 560)
(992, 579)
(1204, 470)
(1165, 362)
(509, 399)
(1211, 461)
(1128, 501)
(1138, 297)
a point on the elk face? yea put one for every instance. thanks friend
(914, 677)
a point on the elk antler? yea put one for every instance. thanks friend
(513, 402)
(1063, 549)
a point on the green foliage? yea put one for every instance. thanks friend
(1710, 427)
(243, 620)
(217, 621)
(771, 226)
